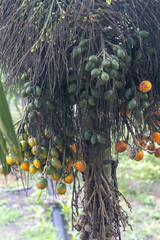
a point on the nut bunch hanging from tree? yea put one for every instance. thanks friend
(89, 76)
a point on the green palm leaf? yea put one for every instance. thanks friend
(7, 133)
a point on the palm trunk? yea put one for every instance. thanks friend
(99, 204)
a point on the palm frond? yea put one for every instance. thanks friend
(7, 133)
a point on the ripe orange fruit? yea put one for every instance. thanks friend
(75, 148)
(69, 163)
(142, 141)
(37, 163)
(42, 183)
(145, 86)
(81, 166)
(139, 156)
(155, 137)
(10, 159)
(68, 167)
(24, 145)
(143, 144)
(25, 166)
(32, 142)
(32, 169)
(55, 162)
(121, 147)
(61, 188)
(157, 153)
(151, 147)
(69, 178)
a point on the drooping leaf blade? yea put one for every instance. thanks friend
(7, 128)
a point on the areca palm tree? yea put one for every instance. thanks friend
(90, 74)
